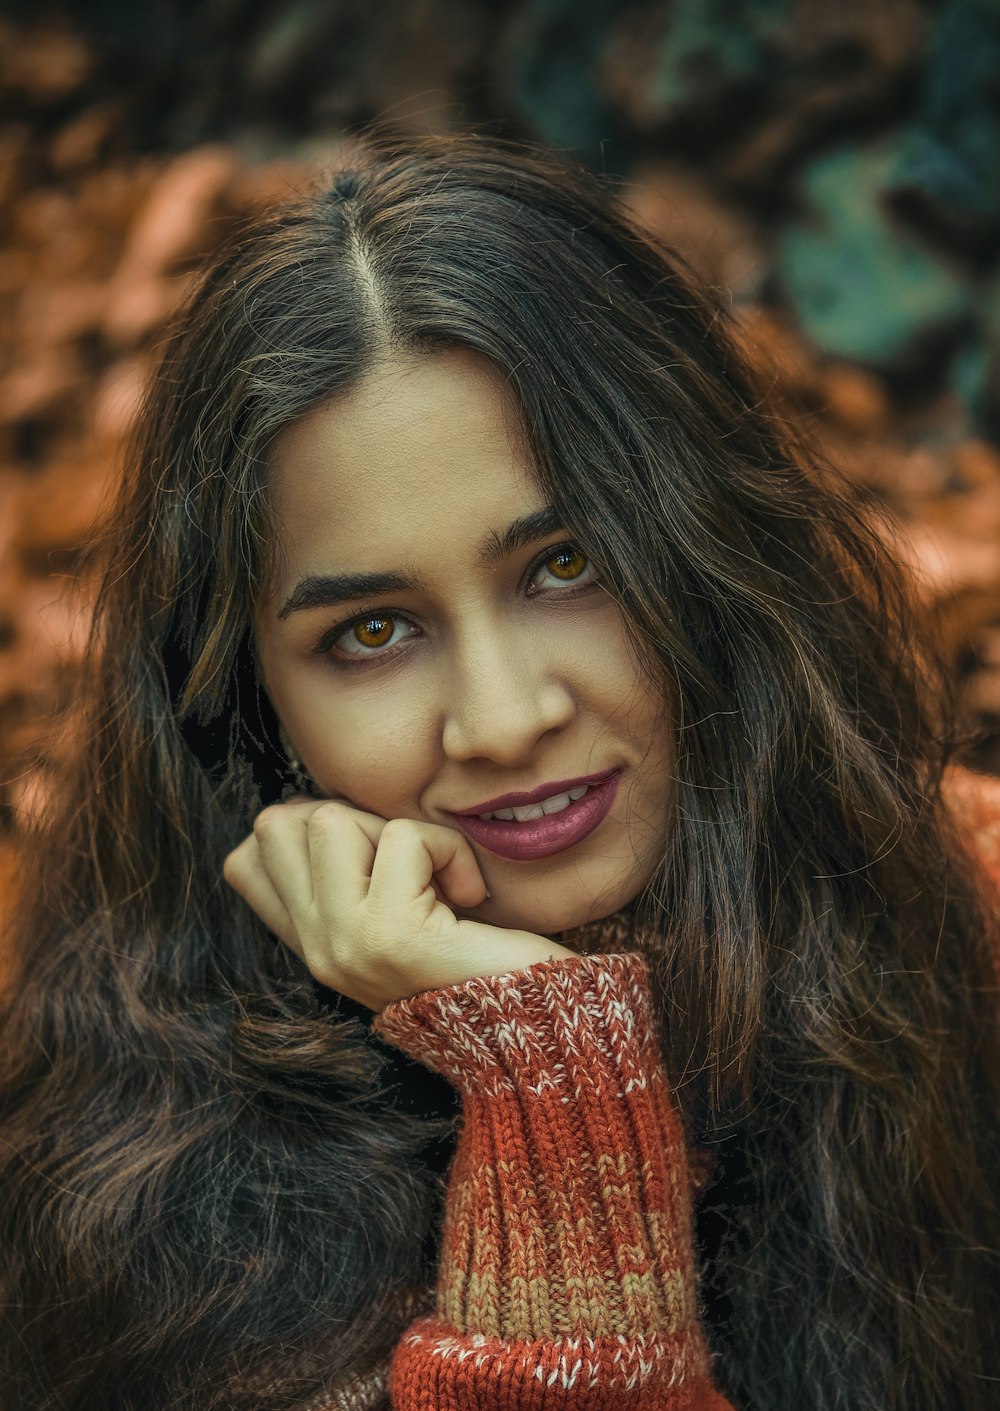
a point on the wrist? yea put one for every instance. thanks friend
(527, 948)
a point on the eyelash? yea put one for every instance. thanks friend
(361, 659)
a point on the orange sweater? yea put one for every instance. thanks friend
(566, 1278)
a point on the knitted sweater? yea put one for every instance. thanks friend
(566, 1276)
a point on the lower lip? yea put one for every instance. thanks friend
(552, 833)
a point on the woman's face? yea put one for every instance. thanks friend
(494, 664)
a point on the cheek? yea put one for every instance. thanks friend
(639, 711)
(371, 748)
(623, 693)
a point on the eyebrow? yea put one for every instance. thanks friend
(327, 590)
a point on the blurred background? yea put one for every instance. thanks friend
(833, 166)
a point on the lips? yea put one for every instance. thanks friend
(553, 832)
(533, 796)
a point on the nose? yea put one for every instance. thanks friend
(501, 698)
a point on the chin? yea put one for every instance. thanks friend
(544, 917)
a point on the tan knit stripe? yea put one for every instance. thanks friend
(465, 1198)
(672, 1250)
(494, 1225)
(559, 1273)
(470, 1295)
(517, 1295)
(585, 1190)
(528, 1307)
(580, 1178)
(473, 1303)
(472, 1241)
(570, 1205)
(534, 1287)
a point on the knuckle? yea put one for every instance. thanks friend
(268, 819)
(397, 828)
(320, 968)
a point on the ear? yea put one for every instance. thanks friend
(291, 752)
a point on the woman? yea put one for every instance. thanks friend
(452, 498)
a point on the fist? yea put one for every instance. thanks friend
(367, 902)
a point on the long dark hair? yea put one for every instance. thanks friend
(209, 1181)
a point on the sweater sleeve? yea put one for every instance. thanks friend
(566, 1277)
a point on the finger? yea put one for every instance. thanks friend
(342, 845)
(456, 867)
(244, 872)
(412, 854)
(281, 832)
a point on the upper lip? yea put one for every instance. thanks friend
(544, 791)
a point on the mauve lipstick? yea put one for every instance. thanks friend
(552, 833)
(544, 791)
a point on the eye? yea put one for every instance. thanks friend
(374, 634)
(566, 564)
(370, 634)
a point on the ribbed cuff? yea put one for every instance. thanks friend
(579, 1023)
(566, 1276)
(569, 1203)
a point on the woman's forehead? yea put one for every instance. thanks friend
(427, 448)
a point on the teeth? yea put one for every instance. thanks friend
(555, 804)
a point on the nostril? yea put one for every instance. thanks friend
(8, 634)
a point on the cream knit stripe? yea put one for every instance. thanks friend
(490, 1034)
(435, 1370)
(503, 1032)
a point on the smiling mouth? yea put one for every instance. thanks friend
(528, 811)
(550, 826)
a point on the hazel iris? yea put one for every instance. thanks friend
(570, 563)
(374, 631)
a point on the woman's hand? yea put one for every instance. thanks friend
(366, 902)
